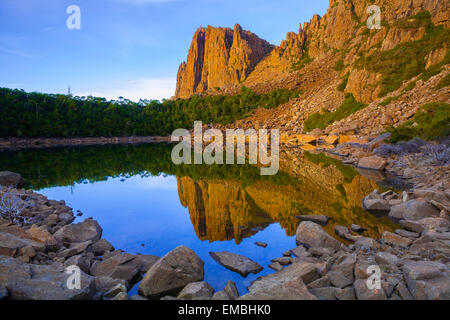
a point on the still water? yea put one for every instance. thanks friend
(146, 204)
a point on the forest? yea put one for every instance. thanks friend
(29, 115)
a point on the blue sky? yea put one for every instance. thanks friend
(129, 48)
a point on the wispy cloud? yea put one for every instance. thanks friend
(153, 88)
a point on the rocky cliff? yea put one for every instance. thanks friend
(329, 57)
(219, 57)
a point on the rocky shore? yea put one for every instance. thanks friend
(37, 247)
(13, 144)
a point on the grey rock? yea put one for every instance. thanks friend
(288, 284)
(372, 163)
(386, 258)
(276, 266)
(100, 247)
(407, 234)
(412, 226)
(120, 266)
(221, 296)
(74, 249)
(114, 291)
(345, 294)
(172, 272)
(319, 219)
(236, 263)
(376, 205)
(427, 280)
(144, 262)
(261, 244)
(403, 292)
(341, 231)
(79, 261)
(364, 293)
(326, 293)
(88, 230)
(284, 261)
(41, 282)
(357, 228)
(121, 296)
(311, 234)
(414, 210)
(231, 290)
(338, 280)
(196, 290)
(11, 244)
(395, 240)
(299, 251)
(104, 284)
(320, 283)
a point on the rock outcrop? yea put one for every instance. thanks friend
(219, 57)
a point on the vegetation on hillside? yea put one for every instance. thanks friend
(324, 118)
(430, 123)
(34, 114)
(408, 59)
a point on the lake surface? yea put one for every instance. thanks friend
(146, 204)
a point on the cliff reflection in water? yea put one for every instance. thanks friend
(225, 209)
(225, 202)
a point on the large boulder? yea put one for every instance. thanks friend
(311, 234)
(319, 219)
(11, 179)
(395, 240)
(288, 284)
(376, 205)
(427, 280)
(372, 163)
(172, 273)
(236, 263)
(413, 210)
(88, 230)
(120, 266)
(41, 282)
(43, 236)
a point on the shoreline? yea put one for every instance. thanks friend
(15, 144)
(414, 260)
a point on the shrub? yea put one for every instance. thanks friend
(407, 59)
(430, 123)
(323, 119)
(445, 82)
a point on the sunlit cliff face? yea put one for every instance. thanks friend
(225, 209)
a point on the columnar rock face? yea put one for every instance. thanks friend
(218, 57)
